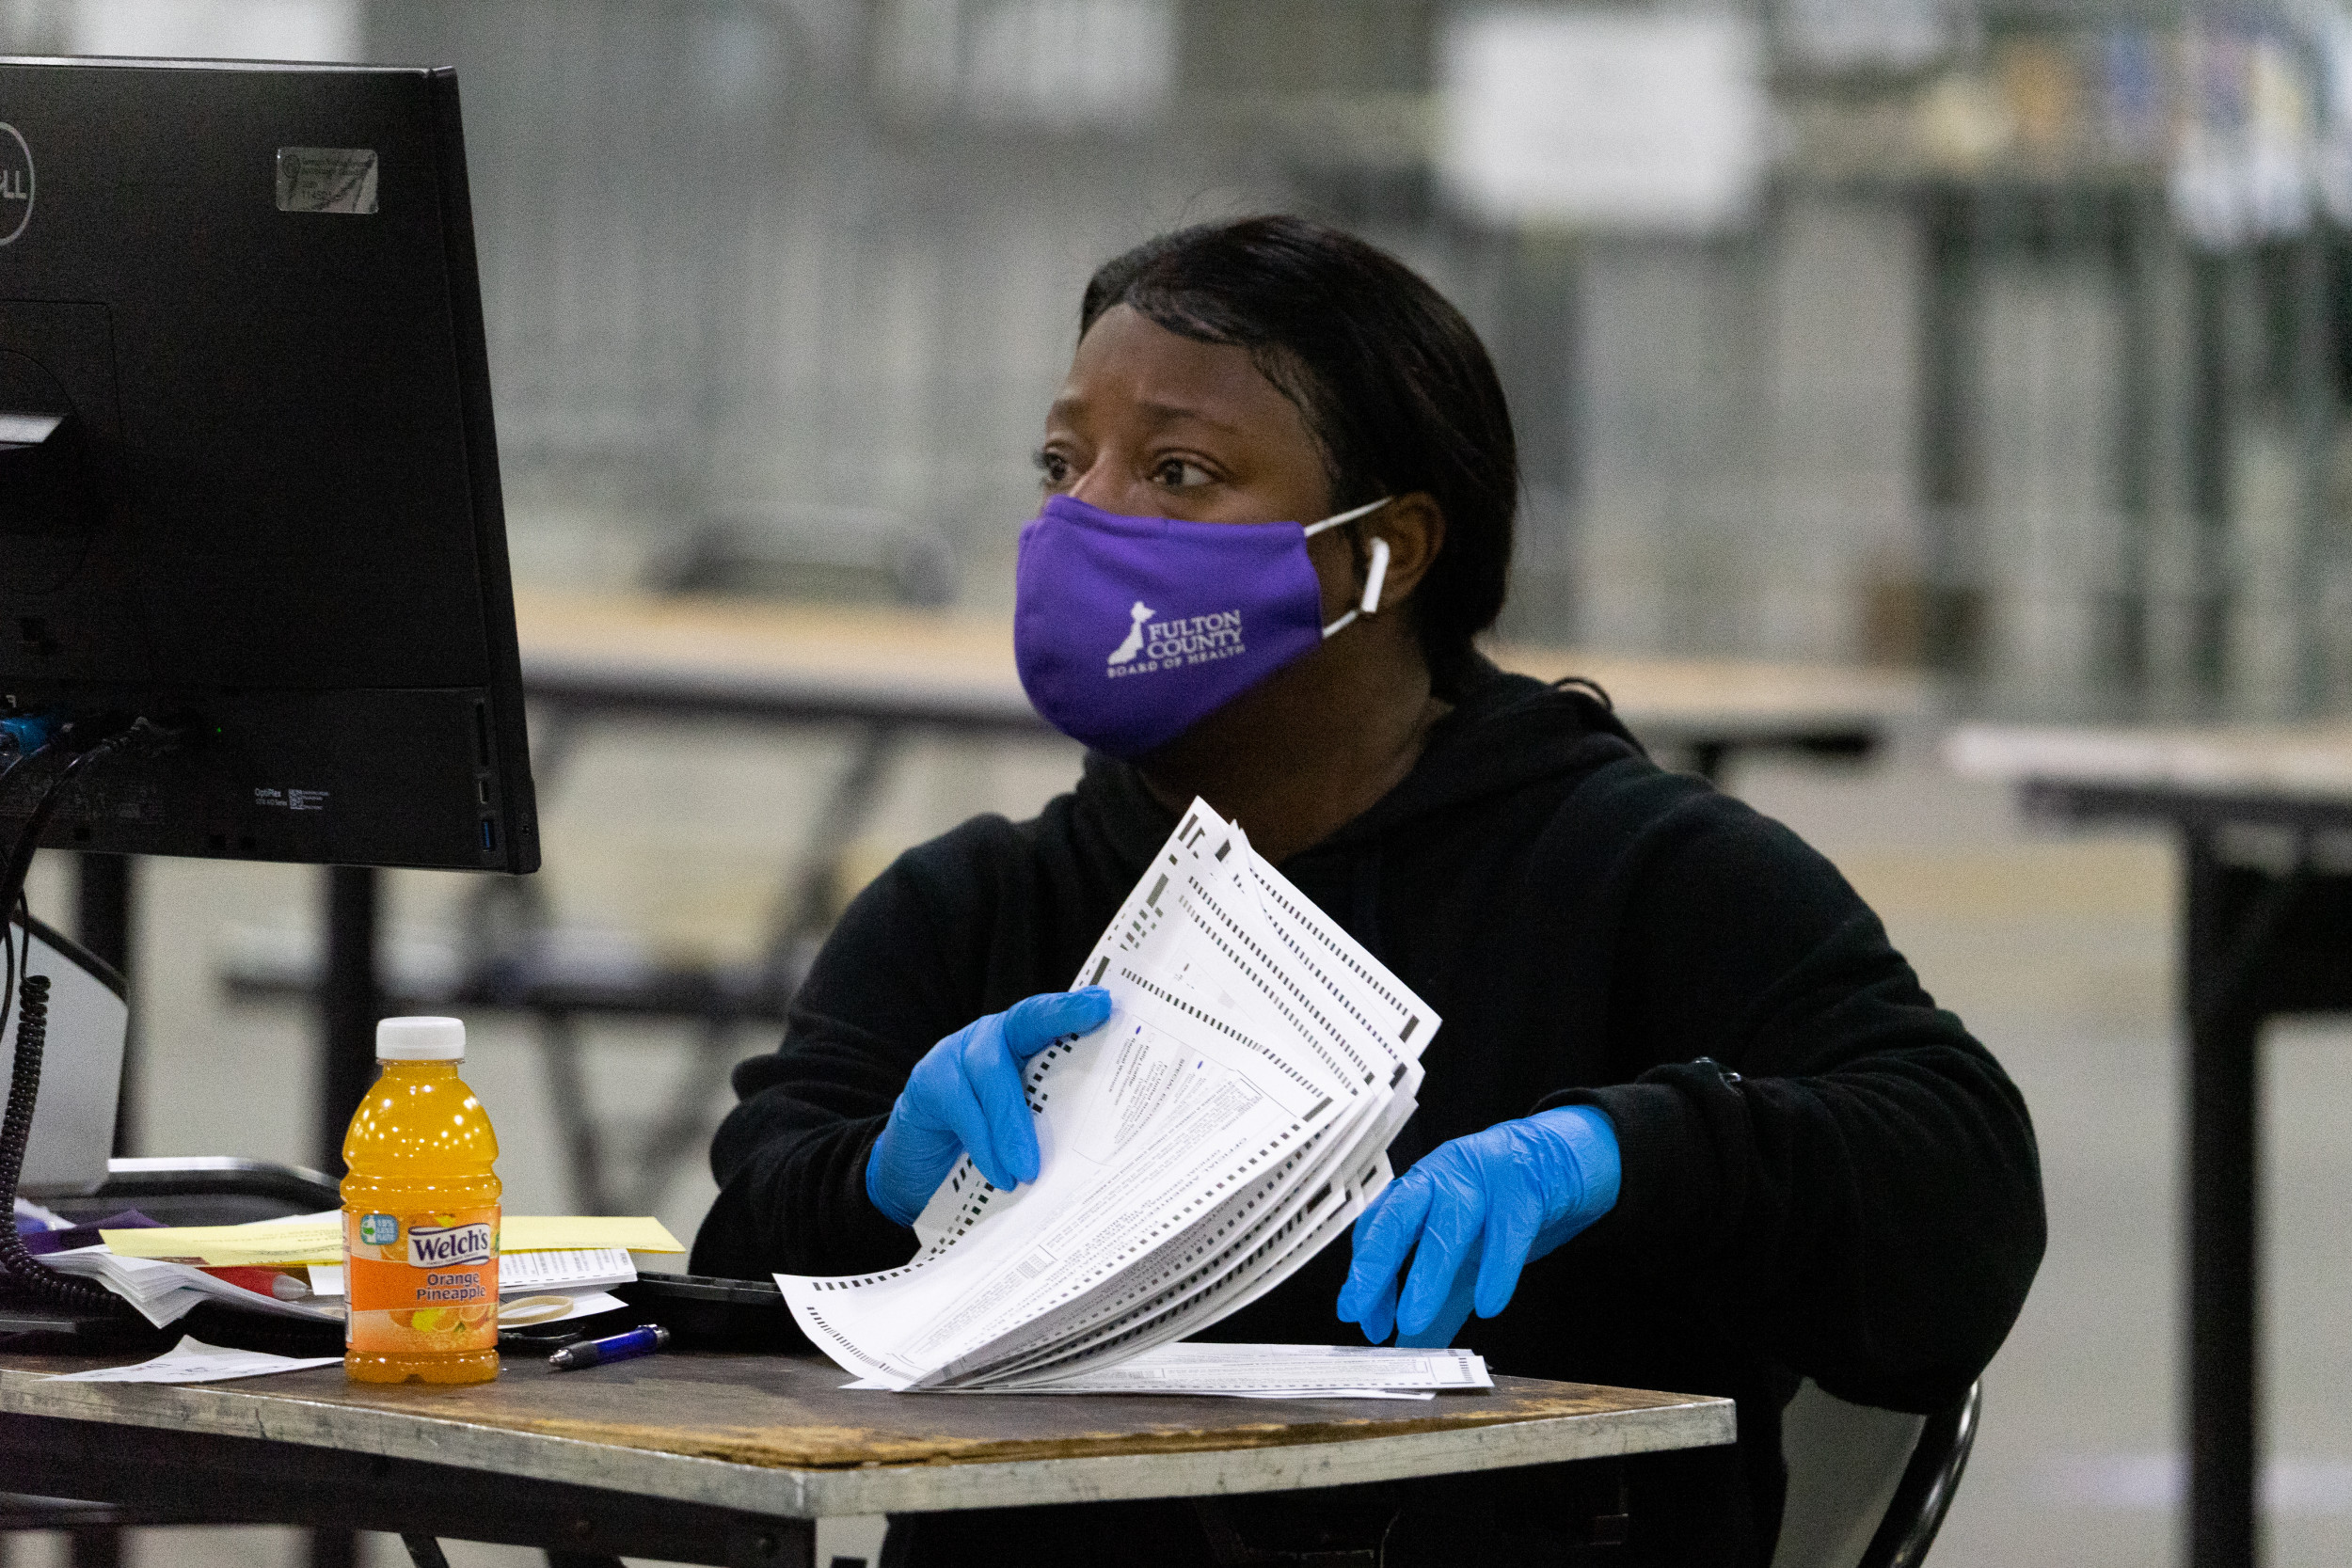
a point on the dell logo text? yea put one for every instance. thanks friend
(16, 182)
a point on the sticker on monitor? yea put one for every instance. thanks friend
(326, 180)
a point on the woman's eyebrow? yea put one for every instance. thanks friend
(1170, 413)
(1157, 412)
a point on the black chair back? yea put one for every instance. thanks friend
(1867, 1488)
(1925, 1494)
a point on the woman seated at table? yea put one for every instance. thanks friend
(1690, 1122)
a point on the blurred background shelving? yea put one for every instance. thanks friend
(2020, 352)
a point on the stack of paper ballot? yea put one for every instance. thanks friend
(551, 1268)
(1230, 1119)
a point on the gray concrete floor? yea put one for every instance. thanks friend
(2056, 948)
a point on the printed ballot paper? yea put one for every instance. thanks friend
(1274, 1373)
(1230, 1119)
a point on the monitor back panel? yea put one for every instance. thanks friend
(253, 290)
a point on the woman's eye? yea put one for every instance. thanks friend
(1177, 474)
(1053, 470)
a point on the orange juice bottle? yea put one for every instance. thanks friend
(421, 1216)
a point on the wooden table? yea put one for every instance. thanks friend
(730, 1459)
(2263, 815)
(678, 657)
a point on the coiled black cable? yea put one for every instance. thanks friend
(22, 1274)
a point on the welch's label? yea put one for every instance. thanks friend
(451, 1246)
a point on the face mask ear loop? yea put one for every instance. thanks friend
(1372, 581)
(1379, 562)
(1364, 511)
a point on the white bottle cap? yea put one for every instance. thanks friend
(421, 1039)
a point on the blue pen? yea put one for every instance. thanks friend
(620, 1347)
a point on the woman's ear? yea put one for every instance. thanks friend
(1414, 527)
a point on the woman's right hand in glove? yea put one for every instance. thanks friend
(965, 1096)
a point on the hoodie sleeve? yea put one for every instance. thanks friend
(1833, 1158)
(887, 985)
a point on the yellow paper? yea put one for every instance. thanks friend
(232, 1246)
(553, 1232)
(316, 1240)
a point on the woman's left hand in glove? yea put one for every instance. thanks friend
(1471, 1215)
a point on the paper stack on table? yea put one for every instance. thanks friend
(551, 1268)
(534, 1288)
(165, 1292)
(1273, 1372)
(265, 1274)
(1230, 1119)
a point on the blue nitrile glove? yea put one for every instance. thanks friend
(965, 1094)
(1472, 1214)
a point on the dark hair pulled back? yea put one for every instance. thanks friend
(1394, 385)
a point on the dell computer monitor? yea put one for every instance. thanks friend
(248, 482)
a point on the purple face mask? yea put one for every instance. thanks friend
(1131, 630)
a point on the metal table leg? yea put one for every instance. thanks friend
(799, 921)
(95, 1549)
(2223, 1354)
(350, 1000)
(2227, 942)
(575, 1118)
(103, 905)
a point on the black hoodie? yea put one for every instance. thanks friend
(1824, 1175)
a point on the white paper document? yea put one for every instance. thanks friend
(164, 1292)
(193, 1361)
(1319, 1394)
(568, 1273)
(1273, 1372)
(1230, 1120)
(572, 1269)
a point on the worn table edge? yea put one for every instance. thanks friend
(882, 1488)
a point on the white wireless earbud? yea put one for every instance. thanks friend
(1379, 577)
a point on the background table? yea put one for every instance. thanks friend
(884, 673)
(645, 655)
(728, 1458)
(2265, 820)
